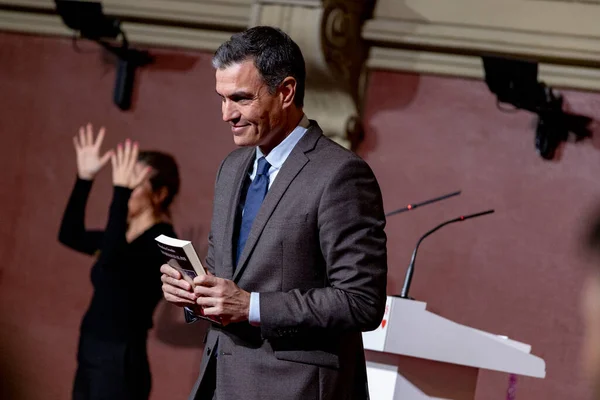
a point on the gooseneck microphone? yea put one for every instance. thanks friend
(423, 203)
(411, 266)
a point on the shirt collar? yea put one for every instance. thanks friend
(280, 153)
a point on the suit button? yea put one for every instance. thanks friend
(208, 351)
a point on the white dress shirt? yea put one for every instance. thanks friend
(275, 158)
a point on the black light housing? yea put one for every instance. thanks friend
(515, 82)
(88, 19)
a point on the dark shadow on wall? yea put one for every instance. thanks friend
(381, 100)
(10, 382)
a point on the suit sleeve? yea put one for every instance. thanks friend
(351, 226)
(209, 261)
(210, 254)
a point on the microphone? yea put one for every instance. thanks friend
(424, 203)
(411, 266)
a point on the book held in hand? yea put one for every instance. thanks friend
(180, 254)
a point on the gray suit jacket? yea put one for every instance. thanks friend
(316, 253)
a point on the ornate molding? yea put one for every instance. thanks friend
(448, 37)
(422, 36)
(49, 24)
(517, 27)
(329, 34)
(197, 24)
(328, 31)
(219, 14)
(420, 61)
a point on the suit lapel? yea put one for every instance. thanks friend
(290, 169)
(246, 161)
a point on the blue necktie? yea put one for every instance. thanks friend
(255, 195)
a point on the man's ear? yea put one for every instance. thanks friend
(287, 91)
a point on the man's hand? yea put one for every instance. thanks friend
(223, 298)
(176, 290)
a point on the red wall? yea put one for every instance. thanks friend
(515, 272)
(47, 91)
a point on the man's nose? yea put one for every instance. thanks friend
(229, 111)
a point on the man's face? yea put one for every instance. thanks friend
(591, 344)
(254, 114)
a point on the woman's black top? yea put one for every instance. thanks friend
(125, 276)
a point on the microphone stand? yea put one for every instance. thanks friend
(411, 266)
(423, 203)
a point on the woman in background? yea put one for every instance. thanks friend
(112, 358)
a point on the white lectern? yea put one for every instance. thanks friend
(418, 355)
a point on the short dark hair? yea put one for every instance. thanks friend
(166, 174)
(275, 55)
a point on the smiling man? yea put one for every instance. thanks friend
(297, 249)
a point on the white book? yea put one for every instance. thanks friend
(180, 254)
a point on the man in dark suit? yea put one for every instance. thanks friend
(297, 249)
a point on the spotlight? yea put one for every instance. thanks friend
(87, 18)
(516, 82)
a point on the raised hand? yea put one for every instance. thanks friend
(87, 150)
(126, 172)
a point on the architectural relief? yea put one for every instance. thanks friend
(448, 37)
(577, 1)
(198, 24)
(329, 33)
(340, 38)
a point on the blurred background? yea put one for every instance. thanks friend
(401, 82)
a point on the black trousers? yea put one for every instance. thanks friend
(108, 370)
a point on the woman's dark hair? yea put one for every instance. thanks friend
(166, 174)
